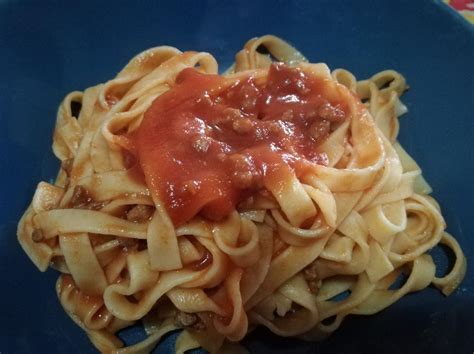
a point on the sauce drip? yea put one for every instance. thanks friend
(210, 142)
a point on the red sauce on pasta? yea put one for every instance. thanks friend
(210, 141)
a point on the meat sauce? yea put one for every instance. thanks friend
(210, 142)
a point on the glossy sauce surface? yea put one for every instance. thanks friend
(210, 141)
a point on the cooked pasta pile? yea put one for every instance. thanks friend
(284, 233)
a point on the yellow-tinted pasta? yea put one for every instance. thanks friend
(123, 260)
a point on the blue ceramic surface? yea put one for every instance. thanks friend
(48, 48)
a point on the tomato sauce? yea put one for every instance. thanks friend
(210, 141)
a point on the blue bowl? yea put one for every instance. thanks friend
(50, 48)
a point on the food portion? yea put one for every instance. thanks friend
(275, 194)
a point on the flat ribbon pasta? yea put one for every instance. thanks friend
(302, 253)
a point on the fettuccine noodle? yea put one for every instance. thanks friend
(349, 225)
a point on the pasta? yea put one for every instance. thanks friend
(216, 204)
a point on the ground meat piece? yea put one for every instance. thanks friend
(199, 326)
(81, 199)
(245, 173)
(201, 143)
(231, 114)
(66, 165)
(274, 127)
(311, 114)
(140, 213)
(184, 319)
(320, 129)
(80, 196)
(111, 100)
(331, 113)
(37, 235)
(127, 242)
(311, 276)
(189, 320)
(249, 102)
(249, 95)
(242, 126)
(93, 205)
